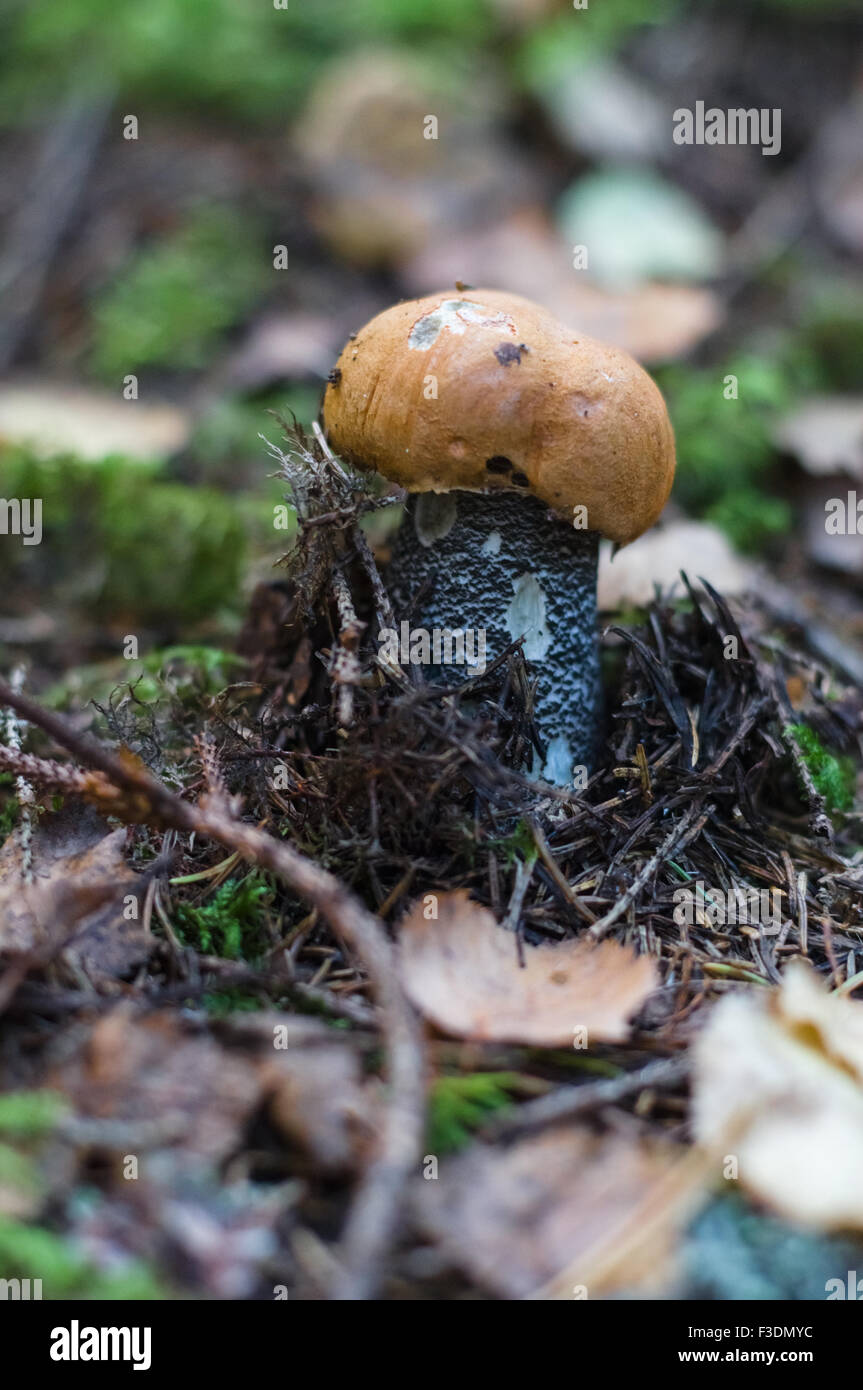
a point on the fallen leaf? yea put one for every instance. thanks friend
(778, 1083)
(54, 418)
(158, 1071)
(659, 555)
(524, 254)
(565, 1201)
(825, 435)
(315, 1094)
(65, 890)
(204, 1088)
(462, 971)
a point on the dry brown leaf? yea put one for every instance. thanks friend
(316, 1098)
(54, 418)
(67, 890)
(156, 1070)
(524, 254)
(462, 971)
(204, 1088)
(514, 1218)
(779, 1084)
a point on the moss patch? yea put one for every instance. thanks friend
(154, 550)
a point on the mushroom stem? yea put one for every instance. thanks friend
(502, 566)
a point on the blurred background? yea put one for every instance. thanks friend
(199, 201)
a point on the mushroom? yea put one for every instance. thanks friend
(521, 443)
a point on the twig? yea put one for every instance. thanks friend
(562, 883)
(345, 670)
(678, 836)
(42, 772)
(383, 604)
(523, 874)
(568, 1101)
(370, 1227)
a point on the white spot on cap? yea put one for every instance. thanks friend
(491, 545)
(455, 314)
(525, 617)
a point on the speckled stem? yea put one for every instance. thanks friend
(504, 567)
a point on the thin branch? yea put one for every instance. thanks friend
(567, 1102)
(129, 790)
(686, 827)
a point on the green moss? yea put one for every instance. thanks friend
(232, 923)
(751, 518)
(242, 59)
(519, 845)
(232, 427)
(29, 1114)
(548, 50)
(184, 544)
(246, 60)
(227, 451)
(723, 444)
(222, 1003)
(834, 775)
(459, 1104)
(179, 675)
(192, 671)
(830, 334)
(175, 298)
(152, 550)
(26, 1117)
(19, 1176)
(33, 1252)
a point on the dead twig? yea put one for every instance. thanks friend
(127, 786)
(569, 1101)
(683, 831)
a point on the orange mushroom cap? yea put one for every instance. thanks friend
(482, 390)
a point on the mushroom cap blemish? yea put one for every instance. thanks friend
(602, 439)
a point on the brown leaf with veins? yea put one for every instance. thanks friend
(462, 971)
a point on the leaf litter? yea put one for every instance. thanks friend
(396, 789)
(464, 973)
